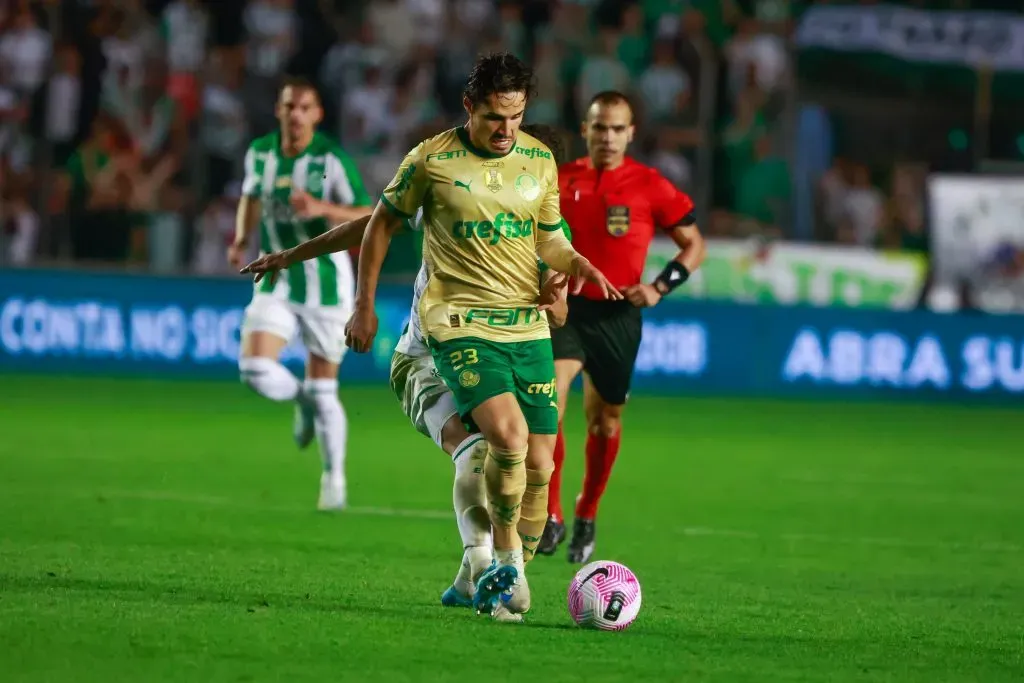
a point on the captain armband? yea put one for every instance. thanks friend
(672, 276)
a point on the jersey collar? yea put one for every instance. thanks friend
(589, 165)
(309, 147)
(464, 139)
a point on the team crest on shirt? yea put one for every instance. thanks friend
(492, 179)
(283, 182)
(469, 378)
(617, 220)
(527, 187)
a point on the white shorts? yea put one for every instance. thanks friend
(425, 398)
(322, 327)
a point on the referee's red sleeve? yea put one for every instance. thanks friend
(669, 204)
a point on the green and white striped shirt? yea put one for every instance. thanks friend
(326, 173)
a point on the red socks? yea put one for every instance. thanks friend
(601, 454)
(555, 487)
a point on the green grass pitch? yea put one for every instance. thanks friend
(165, 531)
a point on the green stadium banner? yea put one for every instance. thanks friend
(952, 38)
(780, 273)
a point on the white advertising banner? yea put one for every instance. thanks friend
(977, 228)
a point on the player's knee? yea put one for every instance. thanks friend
(252, 368)
(509, 433)
(606, 423)
(541, 453)
(539, 477)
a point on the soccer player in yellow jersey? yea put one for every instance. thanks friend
(490, 208)
(430, 405)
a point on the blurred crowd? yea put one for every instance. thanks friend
(857, 209)
(123, 123)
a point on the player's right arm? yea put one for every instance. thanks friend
(398, 204)
(339, 238)
(247, 216)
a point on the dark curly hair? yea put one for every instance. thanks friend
(498, 73)
(550, 136)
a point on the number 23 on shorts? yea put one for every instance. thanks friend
(460, 359)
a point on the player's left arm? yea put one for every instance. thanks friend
(554, 289)
(346, 198)
(673, 212)
(554, 249)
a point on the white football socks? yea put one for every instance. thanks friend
(469, 497)
(269, 378)
(331, 424)
(464, 579)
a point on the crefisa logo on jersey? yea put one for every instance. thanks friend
(617, 220)
(527, 187)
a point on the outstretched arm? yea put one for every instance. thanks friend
(362, 326)
(339, 238)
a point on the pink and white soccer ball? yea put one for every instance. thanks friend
(604, 595)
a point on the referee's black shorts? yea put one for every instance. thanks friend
(605, 337)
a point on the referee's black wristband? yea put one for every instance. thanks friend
(672, 276)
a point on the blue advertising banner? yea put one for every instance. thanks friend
(71, 321)
(67, 321)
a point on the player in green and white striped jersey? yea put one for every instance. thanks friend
(297, 184)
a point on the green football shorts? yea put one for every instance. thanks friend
(476, 369)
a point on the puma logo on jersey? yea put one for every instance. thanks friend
(465, 186)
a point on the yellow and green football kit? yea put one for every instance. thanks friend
(484, 216)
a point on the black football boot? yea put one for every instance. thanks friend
(581, 547)
(554, 534)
